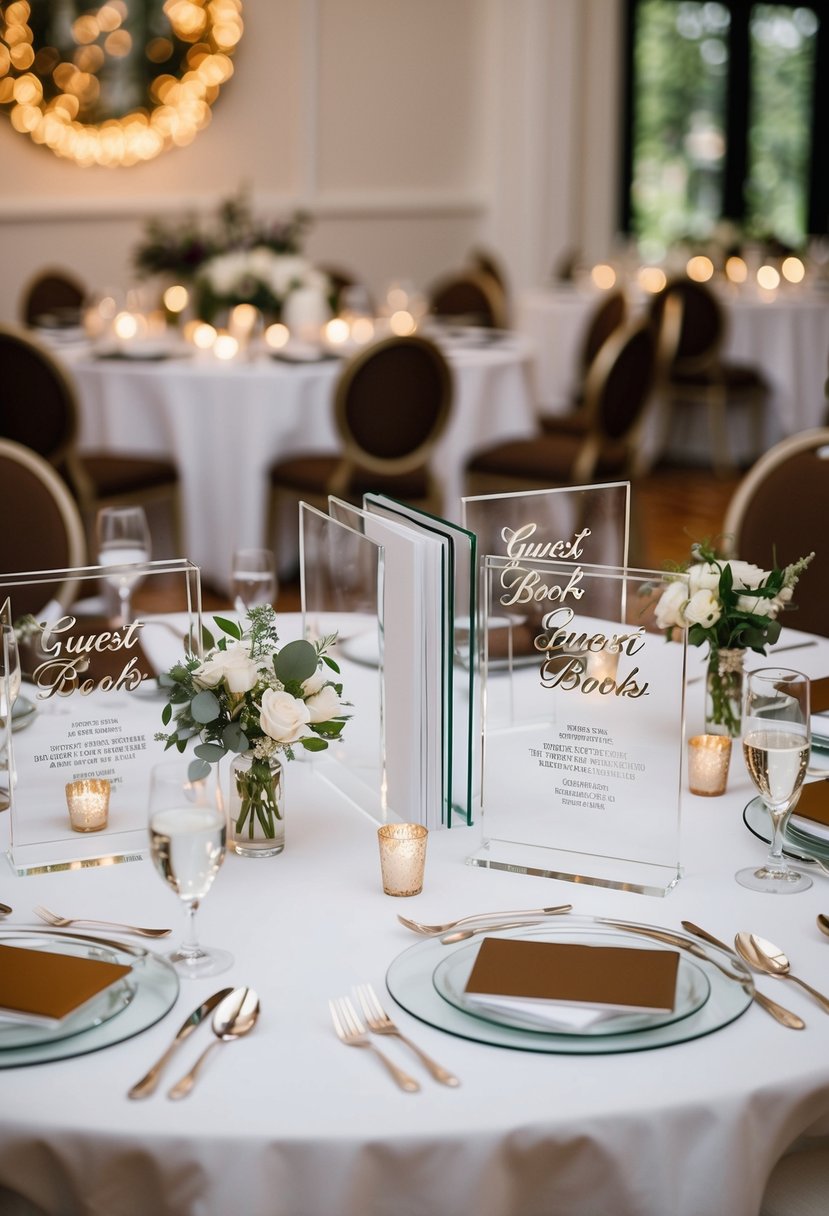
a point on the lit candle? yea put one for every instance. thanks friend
(88, 803)
(708, 760)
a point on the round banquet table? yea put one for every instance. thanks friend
(785, 335)
(286, 1122)
(226, 423)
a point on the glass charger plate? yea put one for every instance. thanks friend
(154, 988)
(409, 980)
(795, 843)
(692, 986)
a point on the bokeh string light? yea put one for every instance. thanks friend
(53, 93)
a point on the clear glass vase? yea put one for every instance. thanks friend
(256, 811)
(724, 692)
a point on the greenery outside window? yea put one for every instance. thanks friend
(727, 118)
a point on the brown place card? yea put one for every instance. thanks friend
(570, 973)
(42, 987)
(819, 696)
(813, 804)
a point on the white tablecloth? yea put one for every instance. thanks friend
(786, 337)
(287, 1122)
(225, 424)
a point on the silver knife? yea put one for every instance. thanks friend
(147, 1084)
(784, 1016)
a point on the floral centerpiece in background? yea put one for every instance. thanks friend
(733, 606)
(231, 259)
(260, 702)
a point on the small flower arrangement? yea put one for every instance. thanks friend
(733, 606)
(250, 695)
(728, 603)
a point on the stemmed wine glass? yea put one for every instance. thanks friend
(10, 679)
(123, 540)
(776, 743)
(188, 830)
(252, 579)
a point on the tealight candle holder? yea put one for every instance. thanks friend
(88, 804)
(402, 857)
(708, 760)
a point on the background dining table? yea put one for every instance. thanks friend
(226, 423)
(286, 1121)
(784, 334)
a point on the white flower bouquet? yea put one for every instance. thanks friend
(248, 694)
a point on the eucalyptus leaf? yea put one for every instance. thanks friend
(314, 744)
(295, 661)
(205, 707)
(197, 770)
(211, 752)
(166, 714)
(234, 738)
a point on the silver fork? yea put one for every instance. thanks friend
(351, 1031)
(380, 1022)
(61, 922)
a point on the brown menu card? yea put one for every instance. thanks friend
(811, 811)
(819, 696)
(42, 987)
(570, 973)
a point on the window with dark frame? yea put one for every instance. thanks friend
(726, 119)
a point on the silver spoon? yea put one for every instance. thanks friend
(765, 956)
(234, 1016)
(823, 923)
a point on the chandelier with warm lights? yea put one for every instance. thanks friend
(114, 83)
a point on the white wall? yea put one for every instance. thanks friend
(409, 130)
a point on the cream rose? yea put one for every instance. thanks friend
(703, 608)
(668, 611)
(324, 705)
(314, 683)
(234, 666)
(283, 717)
(704, 576)
(759, 605)
(746, 575)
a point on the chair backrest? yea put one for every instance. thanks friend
(489, 263)
(52, 297)
(776, 516)
(37, 402)
(703, 322)
(471, 297)
(41, 528)
(620, 382)
(392, 402)
(609, 314)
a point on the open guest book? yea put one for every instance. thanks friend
(389, 579)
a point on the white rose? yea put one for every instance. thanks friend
(758, 604)
(704, 576)
(746, 575)
(703, 608)
(668, 611)
(285, 271)
(324, 705)
(226, 271)
(260, 263)
(234, 666)
(283, 717)
(314, 683)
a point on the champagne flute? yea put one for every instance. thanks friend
(776, 743)
(10, 680)
(252, 579)
(123, 540)
(188, 830)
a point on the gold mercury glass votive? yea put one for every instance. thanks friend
(708, 760)
(88, 803)
(402, 857)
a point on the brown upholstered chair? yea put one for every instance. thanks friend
(606, 318)
(53, 297)
(489, 263)
(469, 297)
(776, 516)
(341, 280)
(699, 376)
(391, 404)
(605, 446)
(38, 408)
(42, 528)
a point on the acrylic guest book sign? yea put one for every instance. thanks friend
(583, 741)
(93, 708)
